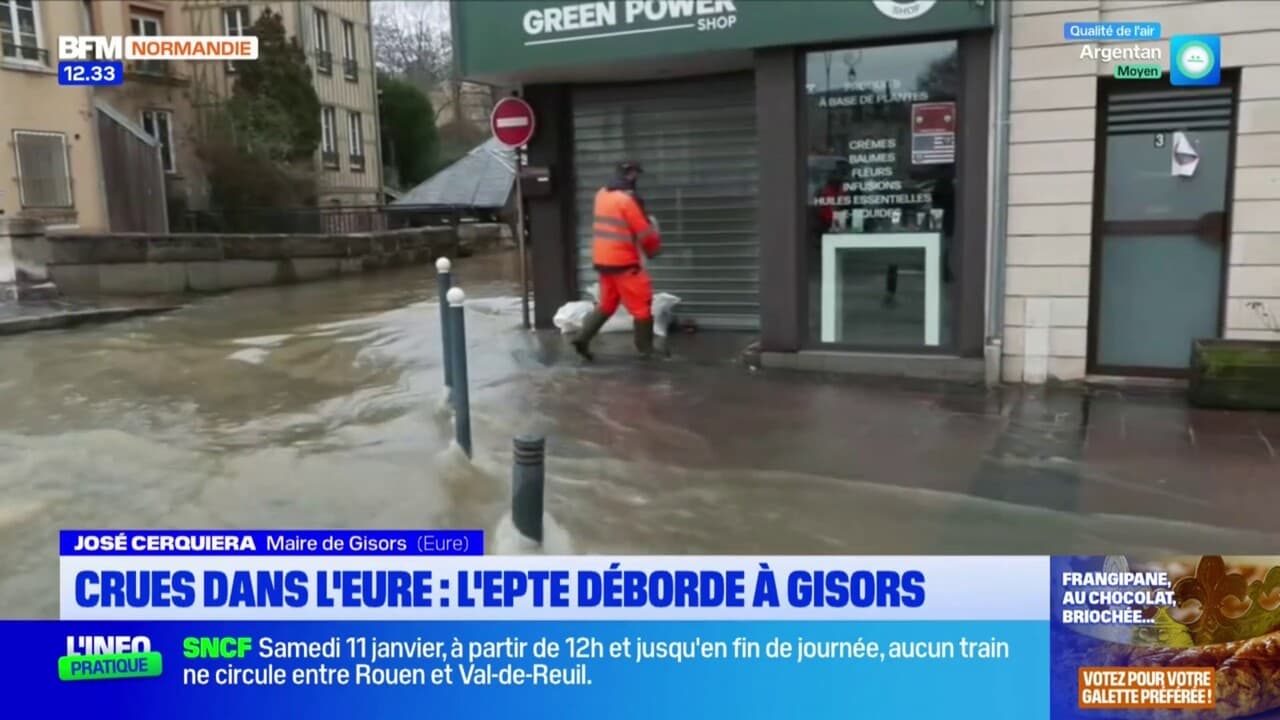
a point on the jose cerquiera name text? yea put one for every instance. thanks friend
(271, 542)
(614, 587)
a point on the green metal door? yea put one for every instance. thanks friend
(697, 143)
(1162, 239)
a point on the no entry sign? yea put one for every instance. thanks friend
(512, 122)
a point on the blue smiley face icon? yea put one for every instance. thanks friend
(1195, 60)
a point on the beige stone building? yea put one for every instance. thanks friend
(49, 166)
(337, 38)
(157, 96)
(1121, 245)
(79, 158)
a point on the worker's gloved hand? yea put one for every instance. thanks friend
(653, 222)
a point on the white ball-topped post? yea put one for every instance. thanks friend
(458, 344)
(444, 281)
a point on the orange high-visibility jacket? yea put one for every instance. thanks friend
(620, 230)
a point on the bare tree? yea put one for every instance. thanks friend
(413, 43)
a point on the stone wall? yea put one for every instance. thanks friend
(484, 237)
(18, 273)
(147, 264)
(8, 273)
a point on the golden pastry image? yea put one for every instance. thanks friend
(1225, 616)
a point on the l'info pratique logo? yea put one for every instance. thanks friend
(109, 657)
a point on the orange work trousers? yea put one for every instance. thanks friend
(632, 288)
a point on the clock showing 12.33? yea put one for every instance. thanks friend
(90, 72)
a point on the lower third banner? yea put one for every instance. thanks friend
(529, 670)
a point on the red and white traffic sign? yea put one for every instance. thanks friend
(512, 122)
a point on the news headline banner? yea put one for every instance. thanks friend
(532, 670)
(419, 587)
(270, 542)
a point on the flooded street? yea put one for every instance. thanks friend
(319, 406)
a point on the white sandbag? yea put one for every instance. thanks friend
(620, 322)
(570, 316)
(664, 311)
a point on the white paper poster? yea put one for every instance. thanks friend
(1185, 157)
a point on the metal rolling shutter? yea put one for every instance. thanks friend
(697, 143)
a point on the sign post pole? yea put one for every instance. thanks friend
(512, 124)
(524, 253)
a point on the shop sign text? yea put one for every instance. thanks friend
(904, 9)
(875, 187)
(626, 17)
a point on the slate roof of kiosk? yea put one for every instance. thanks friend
(481, 178)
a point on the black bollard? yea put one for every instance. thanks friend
(528, 484)
(444, 279)
(458, 345)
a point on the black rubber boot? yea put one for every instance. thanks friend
(644, 337)
(590, 328)
(661, 346)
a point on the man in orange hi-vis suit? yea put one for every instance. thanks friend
(621, 231)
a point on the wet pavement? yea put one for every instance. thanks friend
(27, 318)
(15, 312)
(10, 310)
(319, 406)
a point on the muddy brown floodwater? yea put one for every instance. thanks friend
(319, 406)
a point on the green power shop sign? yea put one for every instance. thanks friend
(501, 37)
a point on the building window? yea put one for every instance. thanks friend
(159, 125)
(44, 174)
(329, 137)
(880, 133)
(324, 58)
(20, 35)
(350, 67)
(146, 25)
(355, 139)
(235, 22)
